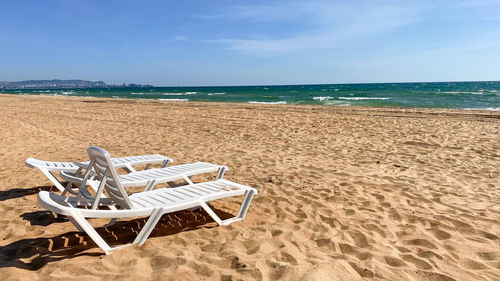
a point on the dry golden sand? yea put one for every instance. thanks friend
(345, 193)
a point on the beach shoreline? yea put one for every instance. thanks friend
(460, 95)
(345, 192)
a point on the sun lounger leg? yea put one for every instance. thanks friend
(68, 186)
(75, 224)
(165, 163)
(211, 213)
(221, 172)
(110, 223)
(85, 226)
(128, 168)
(53, 179)
(150, 185)
(242, 212)
(148, 227)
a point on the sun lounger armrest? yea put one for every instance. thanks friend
(80, 164)
(82, 169)
(33, 163)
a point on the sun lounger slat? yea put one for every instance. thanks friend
(119, 161)
(144, 200)
(201, 188)
(157, 198)
(176, 168)
(216, 186)
(138, 203)
(176, 197)
(192, 190)
(165, 197)
(182, 191)
(175, 192)
(209, 188)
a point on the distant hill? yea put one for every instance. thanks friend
(61, 84)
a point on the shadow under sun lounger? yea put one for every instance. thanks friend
(34, 253)
(21, 192)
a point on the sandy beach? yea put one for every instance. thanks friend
(345, 193)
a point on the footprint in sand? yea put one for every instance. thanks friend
(322, 242)
(372, 227)
(353, 251)
(420, 243)
(488, 256)
(428, 254)
(394, 262)
(426, 275)
(363, 272)
(439, 234)
(474, 265)
(286, 257)
(421, 264)
(360, 239)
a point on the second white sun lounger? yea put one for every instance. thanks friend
(150, 178)
(48, 168)
(152, 204)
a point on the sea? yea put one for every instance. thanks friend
(460, 95)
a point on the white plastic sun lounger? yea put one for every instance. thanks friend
(153, 203)
(127, 163)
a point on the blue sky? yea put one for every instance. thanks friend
(176, 43)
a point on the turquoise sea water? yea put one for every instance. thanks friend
(465, 95)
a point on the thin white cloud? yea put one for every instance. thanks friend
(475, 3)
(332, 24)
(270, 12)
(176, 38)
(462, 50)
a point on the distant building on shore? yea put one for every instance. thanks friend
(63, 84)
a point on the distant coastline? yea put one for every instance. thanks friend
(63, 84)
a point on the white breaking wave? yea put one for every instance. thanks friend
(485, 108)
(322, 98)
(137, 93)
(362, 98)
(480, 92)
(265, 102)
(180, 94)
(216, 94)
(174, 99)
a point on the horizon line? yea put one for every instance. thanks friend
(260, 85)
(318, 84)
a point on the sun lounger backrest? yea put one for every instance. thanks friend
(103, 167)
